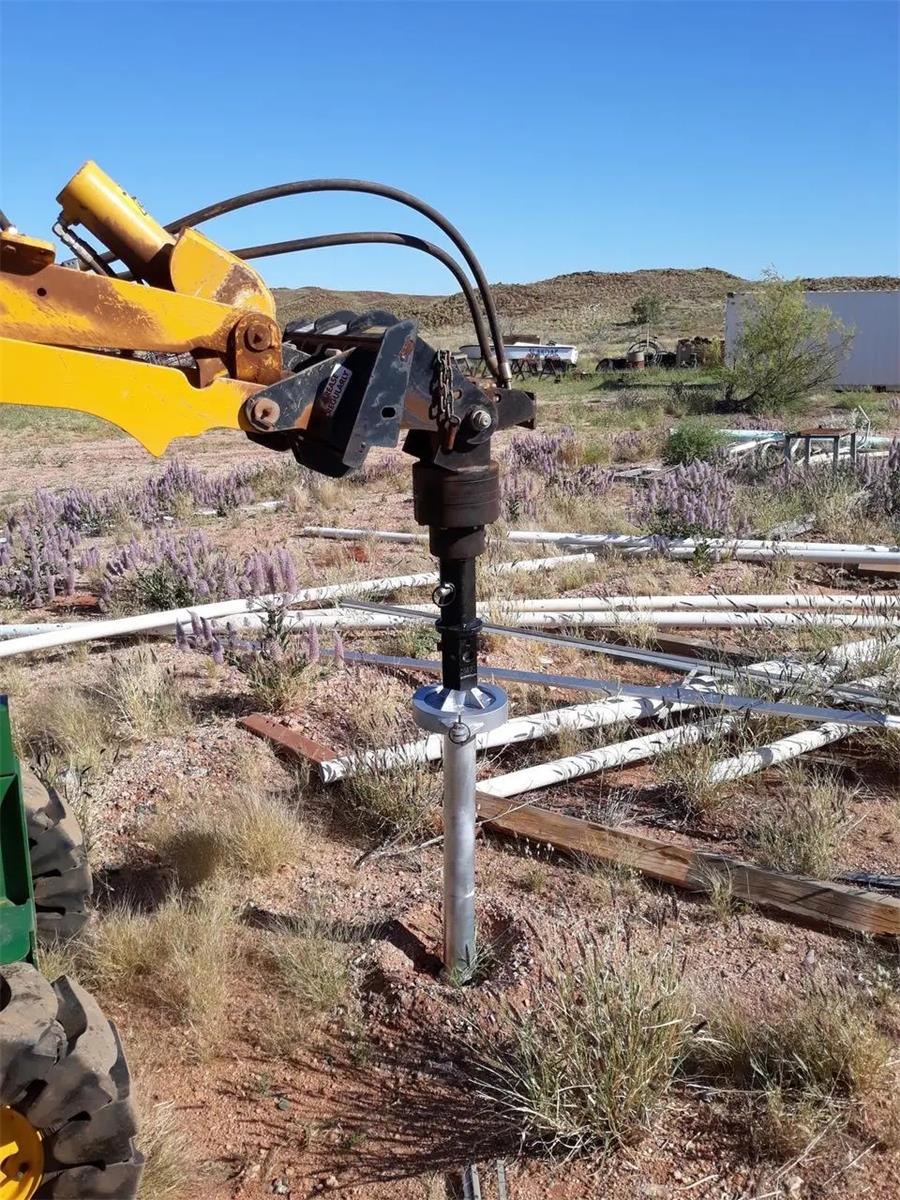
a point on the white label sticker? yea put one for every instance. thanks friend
(334, 389)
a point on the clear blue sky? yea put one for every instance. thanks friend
(558, 136)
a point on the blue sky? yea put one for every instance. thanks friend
(558, 136)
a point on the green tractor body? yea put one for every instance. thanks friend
(17, 912)
(67, 1119)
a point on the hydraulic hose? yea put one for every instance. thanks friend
(269, 249)
(306, 186)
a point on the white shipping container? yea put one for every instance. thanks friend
(874, 356)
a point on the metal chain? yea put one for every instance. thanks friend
(442, 396)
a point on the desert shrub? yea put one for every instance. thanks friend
(691, 441)
(691, 501)
(590, 1059)
(279, 663)
(786, 350)
(169, 571)
(647, 309)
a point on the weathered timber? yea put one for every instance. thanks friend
(286, 740)
(854, 909)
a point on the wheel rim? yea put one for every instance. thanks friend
(21, 1156)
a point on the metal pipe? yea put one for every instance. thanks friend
(459, 854)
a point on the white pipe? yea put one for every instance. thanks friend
(337, 618)
(592, 761)
(760, 435)
(14, 631)
(84, 631)
(519, 729)
(737, 603)
(740, 549)
(524, 729)
(376, 535)
(776, 752)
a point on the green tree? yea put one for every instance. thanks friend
(786, 349)
(647, 309)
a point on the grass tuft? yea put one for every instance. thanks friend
(246, 829)
(164, 1139)
(817, 1064)
(144, 696)
(175, 959)
(587, 1064)
(804, 834)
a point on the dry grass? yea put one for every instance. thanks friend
(59, 958)
(175, 959)
(804, 833)
(170, 1160)
(143, 695)
(246, 828)
(69, 725)
(686, 768)
(391, 804)
(819, 1064)
(593, 1056)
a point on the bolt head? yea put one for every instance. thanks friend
(481, 419)
(258, 336)
(265, 413)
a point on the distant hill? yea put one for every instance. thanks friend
(590, 308)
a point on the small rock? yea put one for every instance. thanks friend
(281, 1187)
(793, 1186)
(283, 1103)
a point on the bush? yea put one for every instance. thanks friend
(693, 440)
(786, 349)
(647, 309)
(692, 501)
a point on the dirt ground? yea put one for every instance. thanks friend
(373, 1102)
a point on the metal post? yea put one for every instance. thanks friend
(854, 448)
(807, 449)
(835, 455)
(459, 849)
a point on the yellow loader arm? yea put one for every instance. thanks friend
(173, 350)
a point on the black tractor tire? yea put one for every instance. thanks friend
(63, 1069)
(59, 864)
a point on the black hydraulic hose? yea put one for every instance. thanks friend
(305, 186)
(389, 239)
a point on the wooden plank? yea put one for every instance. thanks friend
(877, 570)
(853, 909)
(686, 646)
(289, 741)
